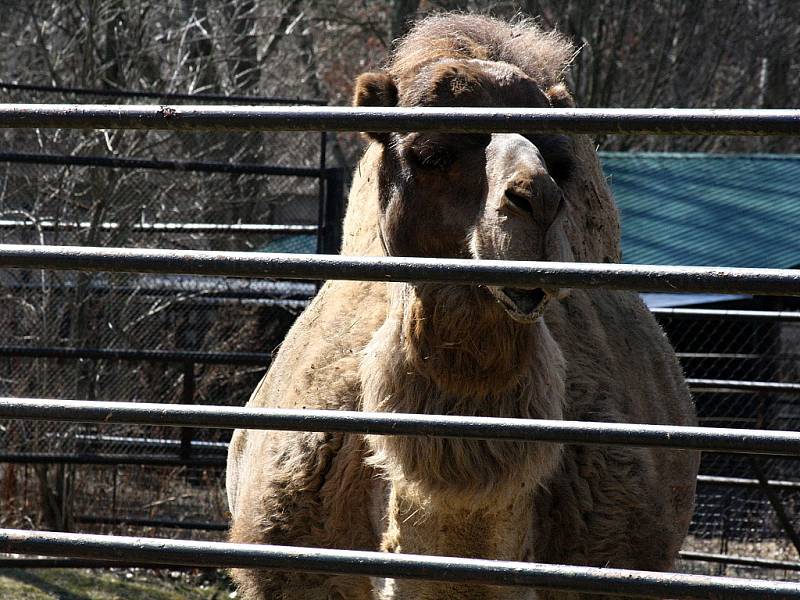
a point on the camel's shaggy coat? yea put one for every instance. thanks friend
(440, 349)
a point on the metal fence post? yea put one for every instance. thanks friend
(332, 213)
(187, 433)
(776, 501)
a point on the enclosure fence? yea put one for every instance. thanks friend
(587, 276)
(153, 95)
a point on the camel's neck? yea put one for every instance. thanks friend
(447, 350)
(451, 350)
(460, 338)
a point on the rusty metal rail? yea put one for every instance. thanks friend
(649, 121)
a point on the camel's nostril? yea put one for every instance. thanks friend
(523, 305)
(527, 301)
(519, 201)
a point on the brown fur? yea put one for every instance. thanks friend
(456, 350)
(544, 57)
(429, 362)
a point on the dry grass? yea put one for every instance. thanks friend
(119, 584)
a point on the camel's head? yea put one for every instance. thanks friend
(492, 196)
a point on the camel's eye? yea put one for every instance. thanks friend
(441, 151)
(430, 154)
(521, 202)
(556, 151)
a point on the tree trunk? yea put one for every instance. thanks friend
(402, 12)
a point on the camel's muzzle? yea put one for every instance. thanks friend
(523, 305)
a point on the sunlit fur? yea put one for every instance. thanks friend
(431, 348)
(445, 359)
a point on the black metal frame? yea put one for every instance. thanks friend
(743, 561)
(138, 522)
(330, 196)
(728, 315)
(204, 228)
(76, 91)
(168, 356)
(183, 166)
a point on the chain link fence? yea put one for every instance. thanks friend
(152, 484)
(735, 513)
(143, 473)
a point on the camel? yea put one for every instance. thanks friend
(470, 350)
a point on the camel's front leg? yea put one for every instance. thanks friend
(303, 490)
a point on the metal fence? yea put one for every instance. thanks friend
(744, 366)
(200, 190)
(745, 506)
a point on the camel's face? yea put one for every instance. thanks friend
(476, 196)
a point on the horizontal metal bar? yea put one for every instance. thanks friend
(725, 355)
(151, 460)
(163, 165)
(745, 561)
(26, 562)
(730, 385)
(102, 444)
(205, 461)
(784, 282)
(193, 290)
(163, 95)
(160, 443)
(260, 359)
(579, 432)
(209, 462)
(206, 228)
(263, 359)
(385, 564)
(728, 315)
(791, 486)
(645, 121)
(212, 462)
(163, 523)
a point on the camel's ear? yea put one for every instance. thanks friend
(375, 89)
(559, 96)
